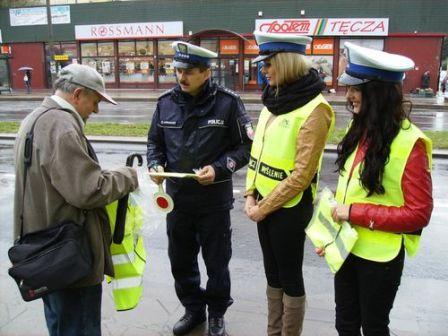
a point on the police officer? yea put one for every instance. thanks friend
(199, 127)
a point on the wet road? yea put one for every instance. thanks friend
(141, 112)
(430, 263)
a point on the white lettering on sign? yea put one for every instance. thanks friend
(324, 46)
(129, 30)
(326, 27)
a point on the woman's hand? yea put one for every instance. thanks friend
(250, 202)
(255, 214)
(340, 213)
(320, 251)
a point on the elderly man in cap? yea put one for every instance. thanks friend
(66, 182)
(199, 127)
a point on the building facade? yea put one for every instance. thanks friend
(129, 41)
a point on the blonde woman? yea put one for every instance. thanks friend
(283, 171)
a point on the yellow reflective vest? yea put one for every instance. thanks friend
(378, 245)
(274, 149)
(336, 239)
(128, 258)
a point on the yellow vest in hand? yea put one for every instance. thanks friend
(129, 258)
(336, 239)
(274, 149)
(378, 245)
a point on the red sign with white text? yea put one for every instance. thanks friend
(229, 47)
(323, 46)
(250, 47)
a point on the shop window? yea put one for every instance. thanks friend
(69, 49)
(250, 72)
(105, 66)
(126, 48)
(324, 67)
(136, 70)
(145, 48)
(106, 49)
(167, 72)
(211, 44)
(88, 49)
(165, 48)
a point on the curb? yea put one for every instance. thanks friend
(437, 153)
(246, 99)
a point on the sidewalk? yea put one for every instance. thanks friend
(123, 95)
(159, 308)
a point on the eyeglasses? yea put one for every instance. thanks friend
(266, 64)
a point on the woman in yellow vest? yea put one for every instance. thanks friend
(283, 171)
(384, 190)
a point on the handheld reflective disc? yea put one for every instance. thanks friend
(163, 201)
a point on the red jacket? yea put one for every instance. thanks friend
(417, 191)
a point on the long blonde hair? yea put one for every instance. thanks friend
(289, 67)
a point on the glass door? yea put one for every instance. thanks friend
(228, 73)
(4, 75)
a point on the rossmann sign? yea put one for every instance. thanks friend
(129, 30)
(326, 27)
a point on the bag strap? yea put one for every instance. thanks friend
(27, 160)
(28, 157)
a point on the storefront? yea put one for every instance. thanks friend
(5, 85)
(5, 51)
(326, 52)
(130, 54)
(139, 54)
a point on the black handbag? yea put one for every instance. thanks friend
(51, 259)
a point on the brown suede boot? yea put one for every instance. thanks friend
(275, 310)
(293, 314)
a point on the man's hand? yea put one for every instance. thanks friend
(157, 169)
(205, 175)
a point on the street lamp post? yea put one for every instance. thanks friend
(50, 40)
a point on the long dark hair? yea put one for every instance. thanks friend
(377, 123)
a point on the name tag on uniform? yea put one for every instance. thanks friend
(167, 123)
(215, 122)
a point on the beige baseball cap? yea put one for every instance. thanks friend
(87, 77)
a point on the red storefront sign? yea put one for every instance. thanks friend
(323, 46)
(250, 47)
(229, 47)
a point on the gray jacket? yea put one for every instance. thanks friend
(63, 180)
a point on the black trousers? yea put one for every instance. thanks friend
(365, 292)
(282, 237)
(187, 234)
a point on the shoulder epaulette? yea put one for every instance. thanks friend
(166, 93)
(228, 91)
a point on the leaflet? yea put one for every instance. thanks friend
(172, 174)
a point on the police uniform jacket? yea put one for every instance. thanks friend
(191, 132)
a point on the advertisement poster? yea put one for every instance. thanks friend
(32, 16)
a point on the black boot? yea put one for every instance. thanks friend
(188, 322)
(216, 326)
